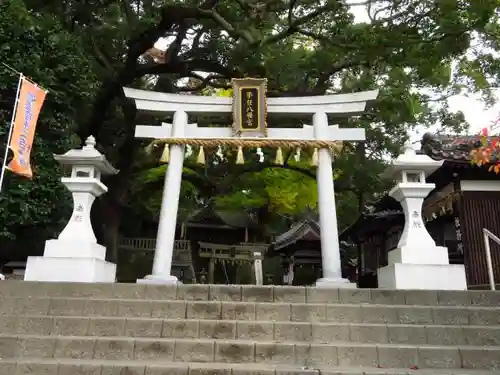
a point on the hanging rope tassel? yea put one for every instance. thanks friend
(239, 157)
(165, 156)
(279, 157)
(201, 156)
(314, 159)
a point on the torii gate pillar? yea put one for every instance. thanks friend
(165, 240)
(319, 106)
(330, 247)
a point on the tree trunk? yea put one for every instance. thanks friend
(112, 220)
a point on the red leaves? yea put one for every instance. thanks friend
(488, 153)
(494, 168)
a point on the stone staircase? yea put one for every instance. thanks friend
(132, 329)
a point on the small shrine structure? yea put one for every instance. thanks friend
(211, 224)
(299, 249)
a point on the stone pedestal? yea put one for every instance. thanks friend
(435, 274)
(68, 269)
(75, 256)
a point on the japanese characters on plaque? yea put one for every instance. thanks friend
(458, 228)
(249, 106)
(458, 234)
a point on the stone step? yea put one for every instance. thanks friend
(254, 330)
(249, 293)
(246, 351)
(272, 311)
(94, 367)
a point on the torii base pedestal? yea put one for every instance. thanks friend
(335, 283)
(159, 280)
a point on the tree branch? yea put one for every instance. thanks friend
(175, 47)
(130, 15)
(290, 12)
(204, 82)
(230, 29)
(102, 57)
(292, 27)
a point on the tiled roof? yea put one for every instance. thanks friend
(383, 214)
(236, 219)
(367, 219)
(297, 231)
(449, 148)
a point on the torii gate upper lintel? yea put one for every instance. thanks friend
(181, 132)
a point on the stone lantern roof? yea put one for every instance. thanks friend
(410, 160)
(88, 156)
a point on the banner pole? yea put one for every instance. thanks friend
(4, 164)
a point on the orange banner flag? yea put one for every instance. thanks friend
(29, 105)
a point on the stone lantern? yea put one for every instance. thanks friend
(75, 255)
(417, 263)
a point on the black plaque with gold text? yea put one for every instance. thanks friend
(249, 106)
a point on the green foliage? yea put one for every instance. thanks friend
(38, 46)
(147, 186)
(283, 191)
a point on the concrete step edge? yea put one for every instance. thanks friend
(345, 344)
(268, 292)
(265, 303)
(280, 331)
(212, 351)
(256, 311)
(244, 321)
(237, 368)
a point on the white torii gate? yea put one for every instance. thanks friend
(341, 105)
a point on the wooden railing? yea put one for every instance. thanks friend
(146, 244)
(182, 248)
